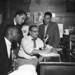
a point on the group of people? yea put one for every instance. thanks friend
(9, 35)
(39, 39)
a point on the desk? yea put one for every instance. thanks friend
(48, 57)
(57, 68)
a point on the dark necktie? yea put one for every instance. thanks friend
(11, 54)
(10, 59)
(34, 40)
(34, 46)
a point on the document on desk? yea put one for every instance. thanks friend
(52, 54)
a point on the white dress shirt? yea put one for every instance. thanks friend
(15, 22)
(27, 47)
(46, 26)
(8, 45)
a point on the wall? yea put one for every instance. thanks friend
(59, 7)
(2, 9)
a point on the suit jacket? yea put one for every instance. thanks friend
(52, 32)
(5, 62)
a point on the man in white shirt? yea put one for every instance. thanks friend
(28, 52)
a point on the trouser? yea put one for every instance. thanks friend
(33, 61)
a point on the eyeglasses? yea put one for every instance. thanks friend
(35, 31)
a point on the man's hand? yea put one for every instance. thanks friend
(55, 50)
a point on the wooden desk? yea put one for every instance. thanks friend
(57, 68)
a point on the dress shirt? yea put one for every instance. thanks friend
(15, 22)
(8, 45)
(27, 45)
(46, 26)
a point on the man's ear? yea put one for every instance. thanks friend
(17, 16)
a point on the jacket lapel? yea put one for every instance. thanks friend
(43, 30)
(48, 29)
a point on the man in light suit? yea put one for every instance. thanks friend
(11, 34)
(49, 31)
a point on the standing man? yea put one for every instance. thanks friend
(11, 34)
(19, 18)
(49, 31)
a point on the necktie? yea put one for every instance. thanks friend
(34, 40)
(34, 46)
(11, 54)
(11, 51)
(10, 59)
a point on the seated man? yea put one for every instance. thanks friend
(29, 49)
(11, 34)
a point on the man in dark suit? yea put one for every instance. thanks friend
(49, 31)
(19, 18)
(11, 34)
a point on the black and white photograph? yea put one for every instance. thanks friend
(37, 37)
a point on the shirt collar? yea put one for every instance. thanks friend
(7, 41)
(30, 37)
(15, 22)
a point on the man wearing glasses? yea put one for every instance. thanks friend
(30, 47)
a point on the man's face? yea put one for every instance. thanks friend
(34, 32)
(21, 19)
(47, 19)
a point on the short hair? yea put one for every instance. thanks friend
(8, 28)
(20, 12)
(32, 26)
(48, 13)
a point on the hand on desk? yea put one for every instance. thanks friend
(56, 49)
(52, 51)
